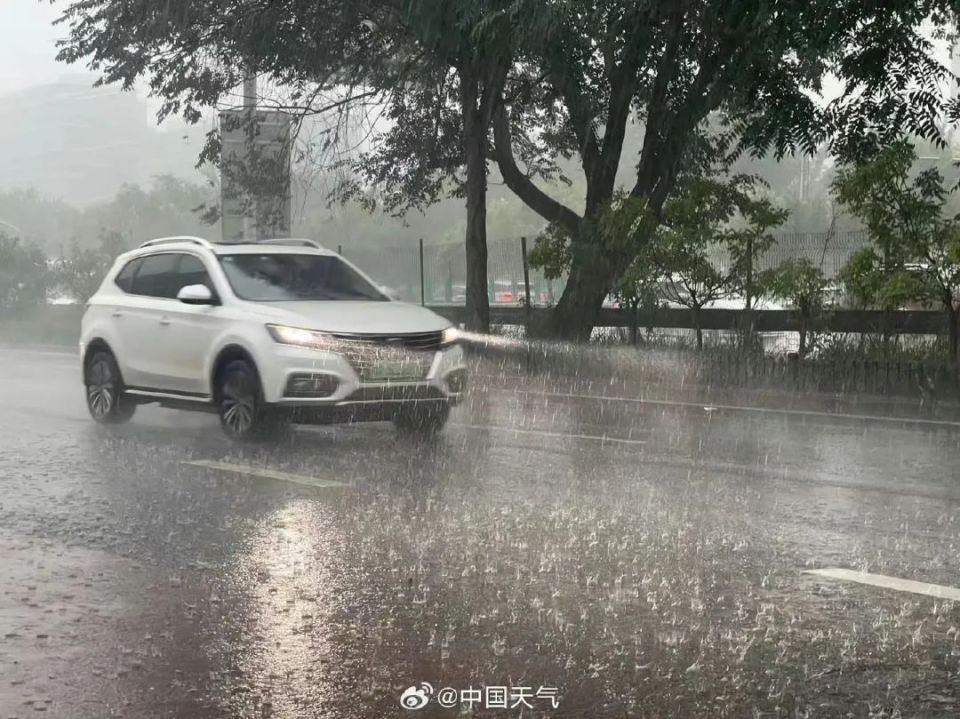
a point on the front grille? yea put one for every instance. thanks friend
(385, 359)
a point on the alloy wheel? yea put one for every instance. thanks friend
(238, 405)
(101, 388)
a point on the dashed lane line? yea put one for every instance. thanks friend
(603, 439)
(247, 471)
(881, 580)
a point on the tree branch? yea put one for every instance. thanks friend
(657, 107)
(493, 90)
(657, 165)
(563, 78)
(623, 83)
(309, 110)
(522, 186)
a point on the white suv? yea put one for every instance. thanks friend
(264, 334)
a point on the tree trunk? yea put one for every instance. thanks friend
(695, 311)
(747, 336)
(806, 320)
(593, 272)
(475, 143)
(953, 321)
(575, 315)
(887, 334)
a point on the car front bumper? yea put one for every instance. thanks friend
(330, 382)
(372, 404)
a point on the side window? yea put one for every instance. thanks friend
(157, 276)
(124, 279)
(192, 272)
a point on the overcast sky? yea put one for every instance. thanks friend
(28, 44)
(28, 48)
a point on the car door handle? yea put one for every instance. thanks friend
(164, 321)
(117, 313)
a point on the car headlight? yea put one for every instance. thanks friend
(297, 336)
(450, 336)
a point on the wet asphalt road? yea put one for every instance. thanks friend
(641, 559)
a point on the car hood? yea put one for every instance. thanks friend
(354, 317)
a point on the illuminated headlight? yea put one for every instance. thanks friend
(451, 335)
(297, 336)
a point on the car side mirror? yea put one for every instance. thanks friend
(196, 295)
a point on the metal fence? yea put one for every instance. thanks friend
(829, 251)
(444, 273)
(443, 267)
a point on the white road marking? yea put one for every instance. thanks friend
(603, 439)
(881, 580)
(740, 408)
(266, 473)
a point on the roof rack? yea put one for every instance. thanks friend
(295, 241)
(177, 239)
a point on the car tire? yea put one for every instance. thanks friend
(422, 419)
(106, 400)
(240, 406)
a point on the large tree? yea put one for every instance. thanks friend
(752, 67)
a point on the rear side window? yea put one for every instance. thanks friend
(157, 276)
(124, 279)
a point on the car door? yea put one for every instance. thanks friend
(191, 330)
(116, 305)
(145, 321)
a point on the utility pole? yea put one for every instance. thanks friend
(250, 92)
(254, 169)
(251, 218)
(804, 177)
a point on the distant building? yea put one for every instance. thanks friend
(80, 143)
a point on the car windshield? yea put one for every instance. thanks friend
(279, 277)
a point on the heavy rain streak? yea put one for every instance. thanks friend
(531, 359)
